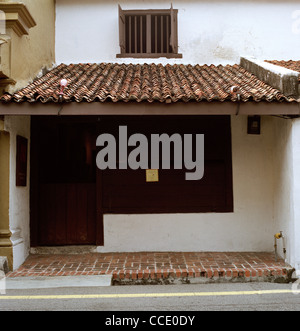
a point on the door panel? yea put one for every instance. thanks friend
(67, 214)
(64, 207)
(127, 191)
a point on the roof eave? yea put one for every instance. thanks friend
(145, 108)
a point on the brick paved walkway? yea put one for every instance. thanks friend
(156, 268)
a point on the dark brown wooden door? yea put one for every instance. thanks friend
(127, 191)
(67, 214)
(64, 206)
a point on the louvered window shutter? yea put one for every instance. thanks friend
(122, 40)
(173, 36)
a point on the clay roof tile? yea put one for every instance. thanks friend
(146, 83)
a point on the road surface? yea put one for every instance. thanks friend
(183, 298)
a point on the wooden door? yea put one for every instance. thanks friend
(67, 214)
(128, 192)
(64, 182)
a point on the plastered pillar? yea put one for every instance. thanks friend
(294, 225)
(5, 234)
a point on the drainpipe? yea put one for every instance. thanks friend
(276, 237)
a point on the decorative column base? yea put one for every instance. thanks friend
(5, 238)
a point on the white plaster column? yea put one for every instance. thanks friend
(295, 224)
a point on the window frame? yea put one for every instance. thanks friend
(149, 13)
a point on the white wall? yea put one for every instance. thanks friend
(216, 32)
(295, 222)
(249, 228)
(18, 196)
(283, 183)
(287, 186)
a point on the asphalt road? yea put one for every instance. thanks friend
(155, 299)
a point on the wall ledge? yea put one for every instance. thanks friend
(283, 79)
(18, 17)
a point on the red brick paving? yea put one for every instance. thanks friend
(155, 267)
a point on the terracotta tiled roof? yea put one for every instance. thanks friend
(148, 83)
(292, 65)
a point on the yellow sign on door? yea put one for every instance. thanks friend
(152, 175)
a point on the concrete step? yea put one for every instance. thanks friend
(40, 282)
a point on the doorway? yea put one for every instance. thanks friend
(64, 182)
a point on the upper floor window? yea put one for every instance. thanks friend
(148, 33)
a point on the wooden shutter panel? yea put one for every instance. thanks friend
(122, 40)
(173, 36)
